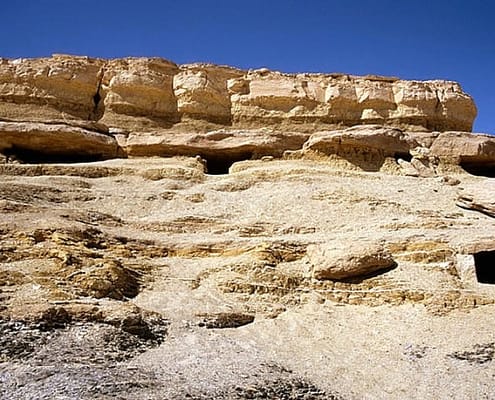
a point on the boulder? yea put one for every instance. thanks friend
(423, 162)
(106, 279)
(338, 260)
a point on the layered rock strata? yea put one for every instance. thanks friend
(162, 94)
(76, 108)
(271, 251)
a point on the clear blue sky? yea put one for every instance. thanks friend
(414, 39)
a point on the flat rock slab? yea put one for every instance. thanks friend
(390, 141)
(348, 260)
(55, 140)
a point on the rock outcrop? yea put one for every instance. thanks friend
(222, 147)
(365, 146)
(103, 109)
(199, 231)
(36, 141)
(56, 88)
(273, 97)
(138, 94)
(163, 94)
(475, 153)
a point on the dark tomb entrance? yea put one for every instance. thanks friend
(484, 263)
(220, 164)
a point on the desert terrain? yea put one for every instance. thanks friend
(202, 232)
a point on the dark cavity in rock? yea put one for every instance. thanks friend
(484, 262)
(220, 164)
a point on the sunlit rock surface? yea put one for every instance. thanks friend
(200, 231)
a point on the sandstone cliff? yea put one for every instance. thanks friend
(67, 107)
(161, 94)
(203, 232)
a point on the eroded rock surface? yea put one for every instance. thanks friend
(104, 109)
(33, 141)
(161, 93)
(60, 87)
(293, 236)
(162, 271)
(477, 198)
(262, 95)
(475, 153)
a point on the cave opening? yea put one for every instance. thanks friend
(403, 156)
(28, 156)
(220, 164)
(479, 168)
(484, 263)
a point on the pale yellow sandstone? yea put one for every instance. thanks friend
(153, 93)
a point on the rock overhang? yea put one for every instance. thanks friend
(160, 108)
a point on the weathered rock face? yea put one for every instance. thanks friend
(226, 145)
(152, 107)
(475, 153)
(202, 92)
(138, 93)
(365, 146)
(41, 89)
(273, 97)
(163, 94)
(479, 198)
(315, 243)
(266, 278)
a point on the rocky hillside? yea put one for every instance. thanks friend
(203, 232)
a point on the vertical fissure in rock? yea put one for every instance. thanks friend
(97, 111)
(438, 105)
(96, 99)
